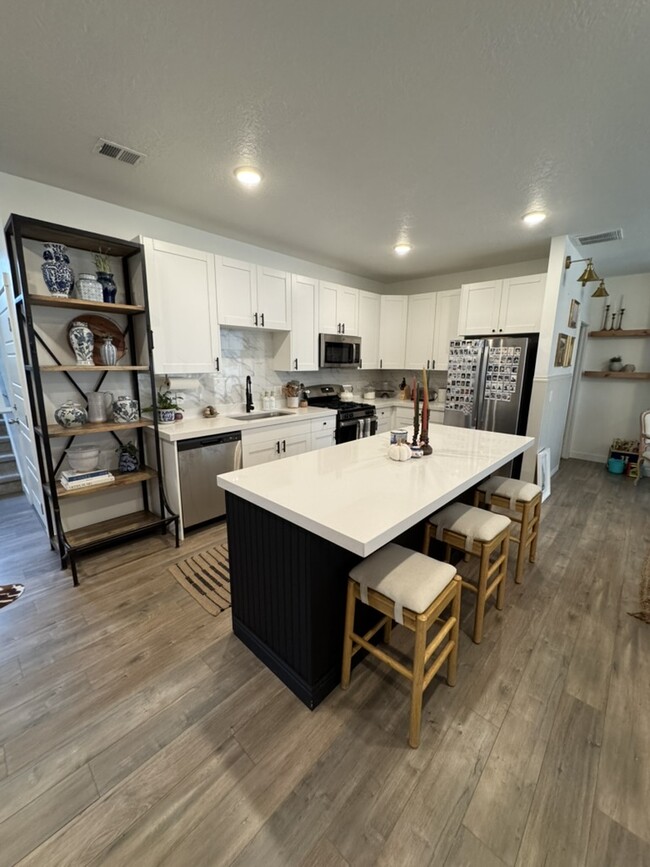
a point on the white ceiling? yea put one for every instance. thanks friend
(443, 120)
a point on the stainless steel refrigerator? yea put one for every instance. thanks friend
(489, 382)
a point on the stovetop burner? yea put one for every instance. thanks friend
(338, 404)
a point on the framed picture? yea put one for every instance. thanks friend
(574, 311)
(560, 349)
(544, 472)
(568, 354)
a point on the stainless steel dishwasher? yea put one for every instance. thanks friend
(200, 461)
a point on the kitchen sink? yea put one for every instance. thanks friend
(253, 416)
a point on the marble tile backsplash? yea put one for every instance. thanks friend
(245, 352)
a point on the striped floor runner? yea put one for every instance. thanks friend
(206, 577)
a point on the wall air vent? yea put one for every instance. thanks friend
(600, 237)
(118, 152)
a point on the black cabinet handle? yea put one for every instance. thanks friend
(338, 328)
(216, 364)
(295, 364)
(277, 447)
(427, 363)
(262, 322)
(284, 445)
(360, 363)
(381, 363)
(255, 317)
(344, 328)
(433, 364)
(500, 329)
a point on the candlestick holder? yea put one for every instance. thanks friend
(416, 431)
(605, 317)
(611, 327)
(424, 443)
(620, 318)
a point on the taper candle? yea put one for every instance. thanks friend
(425, 403)
(415, 402)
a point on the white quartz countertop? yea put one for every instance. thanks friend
(192, 428)
(356, 497)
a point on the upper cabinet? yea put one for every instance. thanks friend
(183, 308)
(432, 323)
(392, 331)
(511, 306)
(369, 317)
(338, 309)
(253, 296)
(298, 349)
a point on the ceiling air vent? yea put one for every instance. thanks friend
(118, 152)
(600, 237)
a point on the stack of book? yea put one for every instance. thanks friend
(73, 479)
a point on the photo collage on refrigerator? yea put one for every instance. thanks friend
(462, 374)
(502, 372)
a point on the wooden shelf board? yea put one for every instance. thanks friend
(80, 304)
(122, 480)
(55, 430)
(615, 374)
(89, 368)
(113, 528)
(632, 332)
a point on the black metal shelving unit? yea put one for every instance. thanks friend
(32, 299)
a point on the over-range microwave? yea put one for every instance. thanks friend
(339, 350)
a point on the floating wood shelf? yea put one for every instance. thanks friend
(85, 537)
(89, 368)
(121, 480)
(615, 374)
(55, 430)
(80, 304)
(633, 332)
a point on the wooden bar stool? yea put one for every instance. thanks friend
(413, 590)
(479, 533)
(524, 500)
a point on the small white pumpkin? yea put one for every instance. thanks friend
(399, 452)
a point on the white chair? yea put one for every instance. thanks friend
(644, 444)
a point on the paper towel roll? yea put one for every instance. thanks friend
(179, 383)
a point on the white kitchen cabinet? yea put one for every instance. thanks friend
(183, 308)
(275, 442)
(392, 331)
(323, 432)
(369, 318)
(404, 415)
(297, 349)
(420, 331)
(385, 416)
(445, 326)
(510, 306)
(253, 296)
(338, 309)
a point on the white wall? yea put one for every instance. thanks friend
(606, 409)
(42, 202)
(442, 282)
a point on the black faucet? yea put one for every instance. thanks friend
(249, 395)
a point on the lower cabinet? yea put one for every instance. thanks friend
(385, 417)
(284, 440)
(404, 416)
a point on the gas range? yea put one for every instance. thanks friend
(353, 420)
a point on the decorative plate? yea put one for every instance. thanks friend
(102, 327)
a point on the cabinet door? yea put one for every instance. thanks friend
(445, 327)
(296, 444)
(479, 307)
(392, 331)
(385, 419)
(348, 309)
(323, 433)
(304, 323)
(369, 317)
(183, 305)
(273, 299)
(260, 452)
(420, 331)
(521, 304)
(404, 415)
(328, 321)
(236, 292)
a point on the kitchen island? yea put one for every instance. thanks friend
(297, 527)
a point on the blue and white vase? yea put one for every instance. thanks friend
(127, 463)
(108, 352)
(125, 409)
(57, 273)
(108, 286)
(70, 414)
(165, 416)
(82, 342)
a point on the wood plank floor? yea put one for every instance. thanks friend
(135, 729)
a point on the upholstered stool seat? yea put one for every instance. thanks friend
(524, 500)
(413, 590)
(477, 533)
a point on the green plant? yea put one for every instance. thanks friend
(164, 400)
(616, 358)
(130, 448)
(102, 262)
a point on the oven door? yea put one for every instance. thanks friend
(338, 350)
(349, 430)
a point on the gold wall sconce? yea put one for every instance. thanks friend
(589, 276)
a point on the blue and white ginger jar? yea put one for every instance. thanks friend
(108, 352)
(70, 414)
(57, 273)
(125, 409)
(82, 342)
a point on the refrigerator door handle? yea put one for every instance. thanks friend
(478, 414)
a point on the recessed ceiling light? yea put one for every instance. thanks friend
(534, 217)
(248, 176)
(402, 249)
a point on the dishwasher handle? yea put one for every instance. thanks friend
(216, 440)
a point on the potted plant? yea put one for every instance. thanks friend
(105, 276)
(616, 363)
(127, 457)
(166, 406)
